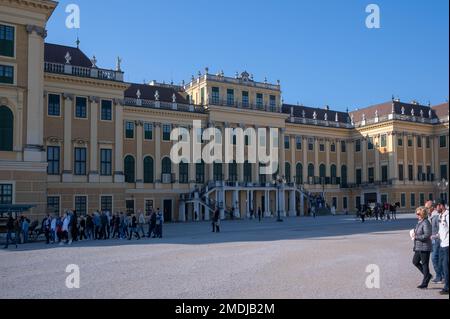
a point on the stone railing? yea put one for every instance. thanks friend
(163, 105)
(398, 117)
(238, 81)
(94, 73)
(303, 120)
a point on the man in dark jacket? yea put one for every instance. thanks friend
(152, 225)
(217, 220)
(11, 230)
(422, 246)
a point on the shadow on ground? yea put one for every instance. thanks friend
(306, 228)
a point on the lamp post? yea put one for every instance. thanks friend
(443, 186)
(279, 183)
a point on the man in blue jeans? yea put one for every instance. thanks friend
(443, 235)
(434, 219)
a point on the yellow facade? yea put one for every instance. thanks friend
(82, 176)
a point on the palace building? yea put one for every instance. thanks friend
(76, 136)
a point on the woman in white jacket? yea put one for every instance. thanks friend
(65, 228)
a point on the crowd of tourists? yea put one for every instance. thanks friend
(95, 226)
(430, 238)
(378, 211)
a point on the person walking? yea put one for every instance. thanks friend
(141, 223)
(65, 228)
(159, 223)
(89, 227)
(443, 252)
(436, 242)
(152, 225)
(10, 231)
(133, 227)
(259, 214)
(46, 227)
(82, 228)
(25, 228)
(217, 220)
(53, 229)
(422, 246)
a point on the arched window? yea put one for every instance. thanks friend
(311, 170)
(322, 171)
(129, 167)
(299, 173)
(287, 172)
(149, 175)
(232, 171)
(200, 172)
(6, 129)
(344, 175)
(333, 174)
(217, 171)
(184, 172)
(166, 166)
(247, 172)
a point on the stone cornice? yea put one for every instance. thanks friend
(86, 81)
(46, 6)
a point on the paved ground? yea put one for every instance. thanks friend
(299, 258)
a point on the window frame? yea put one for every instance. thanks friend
(105, 164)
(146, 126)
(3, 185)
(48, 105)
(80, 165)
(128, 129)
(14, 53)
(76, 115)
(51, 162)
(79, 196)
(102, 119)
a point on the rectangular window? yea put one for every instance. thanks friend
(298, 142)
(6, 74)
(333, 148)
(420, 176)
(428, 177)
(53, 157)
(245, 100)
(358, 201)
(384, 173)
(413, 200)
(106, 162)
(442, 141)
(6, 194)
(230, 97)
(167, 128)
(410, 142)
(7, 40)
(287, 142)
(80, 161)
(403, 200)
(428, 142)
(410, 173)
(334, 201)
(383, 140)
(81, 205)
(422, 199)
(443, 171)
(370, 143)
(215, 97)
(273, 103)
(53, 205)
(310, 144)
(358, 146)
(54, 104)
(81, 107)
(344, 202)
(343, 147)
(322, 147)
(400, 142)
(400, 172)
(106, 112)
(358, 176)
(371, 175)
(419, 141)
(148, 131)
(430, 196)
(129, 206)
(129, 130)
(106, 203)
(259, 100)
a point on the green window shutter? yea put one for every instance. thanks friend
(6, 129)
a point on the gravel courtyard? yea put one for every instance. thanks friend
(299, 258)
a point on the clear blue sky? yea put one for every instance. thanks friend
(320, 50)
